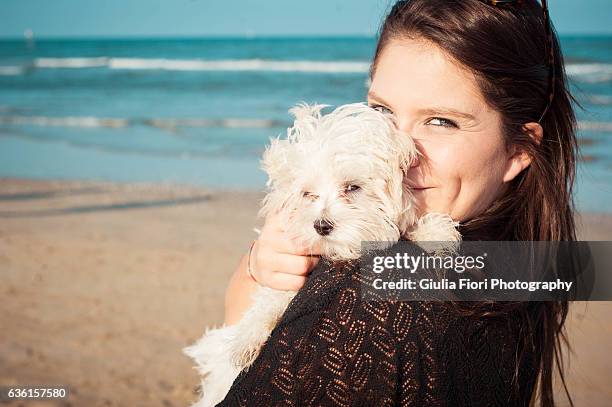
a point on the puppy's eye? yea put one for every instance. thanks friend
(310, 195)
(352, 188)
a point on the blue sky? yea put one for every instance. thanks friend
(121, 18)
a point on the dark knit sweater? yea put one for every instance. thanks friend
(332, 348)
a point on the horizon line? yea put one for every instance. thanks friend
(185, 37)
(231, 37)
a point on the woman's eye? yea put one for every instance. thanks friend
(439, 121)
(381, 108)
(351, 188)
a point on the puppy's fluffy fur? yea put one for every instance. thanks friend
(336, 180)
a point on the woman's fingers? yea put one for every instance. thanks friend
(285, 263)
(274, 234)
(286, 282)
(279, 270)
(279, 262)
(285, 245)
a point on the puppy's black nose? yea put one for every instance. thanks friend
(323, 227)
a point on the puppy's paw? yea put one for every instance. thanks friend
(436, 233)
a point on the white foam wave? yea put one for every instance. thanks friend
(590, 72)
(71, 62)
(205, 65)
(83, 121)
(11, 70)
(595, 126)
(174, 123)
(586, 72)
(161, 123)
(171, 124)
(599, 99)
(240, 65)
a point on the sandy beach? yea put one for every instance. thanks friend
(103, 285)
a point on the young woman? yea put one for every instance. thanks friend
(481, 86)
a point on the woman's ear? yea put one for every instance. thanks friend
(519, 160)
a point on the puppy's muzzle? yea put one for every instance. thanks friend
(323, 227)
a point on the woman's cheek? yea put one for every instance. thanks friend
(441, 170)
(440, 199)
(447, 196)
(458, 187)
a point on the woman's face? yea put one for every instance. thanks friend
(464, 163)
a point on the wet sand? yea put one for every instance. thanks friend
(103, 284)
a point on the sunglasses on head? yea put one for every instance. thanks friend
(549, 46)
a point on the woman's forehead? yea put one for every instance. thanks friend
(419, 72)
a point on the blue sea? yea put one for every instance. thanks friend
(200, 111)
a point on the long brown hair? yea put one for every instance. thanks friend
(506, 47)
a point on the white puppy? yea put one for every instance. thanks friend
(336, 180)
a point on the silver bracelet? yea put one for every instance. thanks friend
(249, 270)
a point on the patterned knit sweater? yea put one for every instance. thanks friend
(332, 348)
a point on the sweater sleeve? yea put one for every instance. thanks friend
(348, 352)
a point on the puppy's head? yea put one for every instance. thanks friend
(337, 179)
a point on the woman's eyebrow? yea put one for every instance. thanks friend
(373, 95)
(438, 110)
(445, 111)
(431, 111)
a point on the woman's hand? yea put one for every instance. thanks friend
(275, 261)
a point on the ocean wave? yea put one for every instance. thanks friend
(71, 62)
(183, 154)
(595, 126)
(590, 72)
(171, 124)
(199, 65)
(584, 72)
(71, 121)
(603, 100)
(8, 70)
(175, 123)
(161, 123)
(240, 65)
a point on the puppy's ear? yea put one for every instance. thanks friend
(276, 157)
(303, 110)
(275, 162)
(306, 120)
(405, 153)
(407, 150)
(401, 199)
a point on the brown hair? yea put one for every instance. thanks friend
(506, 47)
